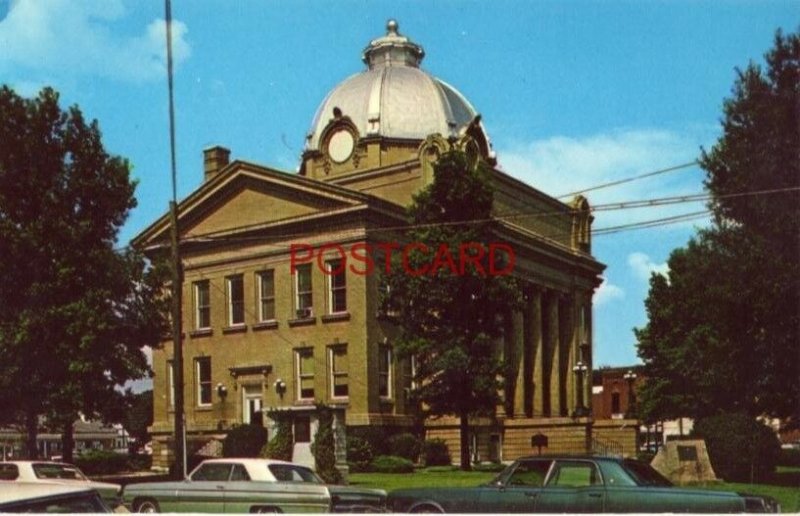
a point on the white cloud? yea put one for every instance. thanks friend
(561, 165)
(643, 266)
(607, 292)
(78, 38)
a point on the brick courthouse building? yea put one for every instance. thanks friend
(258, 338)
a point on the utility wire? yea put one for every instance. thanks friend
(630, 179)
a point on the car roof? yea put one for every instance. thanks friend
(17, 491)
(24, 462)
(252, 461)
(572, 457)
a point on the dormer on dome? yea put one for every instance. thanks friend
(383, 114)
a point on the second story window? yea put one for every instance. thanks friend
(305, 373)
(235, 294)
(202, 305)
(266, 296)
(303, 293)
(337, 286)
(203, 375)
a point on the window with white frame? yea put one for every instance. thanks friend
(337, 286)
(202, 305)
(339, 367)
(203, 376)
(305, 373)
(266, 295)
(235, 294)
(302, 288)
(385, 372)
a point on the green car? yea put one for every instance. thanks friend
(250, 486)
(571, 484)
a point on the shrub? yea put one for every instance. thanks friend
(244, 441)
(140, 462)
(789, 457)
(101, 462)
(359, 454)
(741, 449)
(375, 436)
(405, 445)
(324, 447)
(437, 453)
(281, 446)
(391, 464)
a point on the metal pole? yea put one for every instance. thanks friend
(177, 274)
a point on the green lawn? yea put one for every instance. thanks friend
(787, 492)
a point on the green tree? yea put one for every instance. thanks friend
(451, 319)
(75, 312)
(138, 417)
(724, 327)
(324, 447)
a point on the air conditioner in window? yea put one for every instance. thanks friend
(303, 313)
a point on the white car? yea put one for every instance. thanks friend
(40, 497)
(58, 473)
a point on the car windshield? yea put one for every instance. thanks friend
(645, 475)
(57, 471)
(290, 473)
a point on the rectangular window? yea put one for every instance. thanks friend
(337, 286)
(202, 305)
(305, 373)
(339, 371)
(203, 374)
(171, 382)
(385, 372)
(615, 405)
(235, 294)
(266, 296)
(303, 299)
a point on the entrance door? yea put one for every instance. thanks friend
(251, 403)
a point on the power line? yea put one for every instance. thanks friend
(630, 179)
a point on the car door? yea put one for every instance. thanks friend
(573, 486)
(205, 490)
(518, 491)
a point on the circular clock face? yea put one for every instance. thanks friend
(340, 145)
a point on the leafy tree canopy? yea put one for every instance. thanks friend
(724, 326)
(74, 312)
(451, 322)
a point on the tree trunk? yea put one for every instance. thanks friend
(466, 463)
(67, 442)
(31, 430)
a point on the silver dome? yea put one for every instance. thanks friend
(393, 98)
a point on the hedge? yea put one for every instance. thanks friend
(437, 453)
(391, 464)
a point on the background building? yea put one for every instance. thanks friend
(259, 338)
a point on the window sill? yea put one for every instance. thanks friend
(204, 408)
(265, 325)
(203, 332)
(237, 328)
(341, 316)
(305, 321)
(305, 402)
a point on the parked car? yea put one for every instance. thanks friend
(576, 484)
(56, 473)
(250, 485)
(42, 497)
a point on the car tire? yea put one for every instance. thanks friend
(426, 508)
(146, 506)
(265, 510)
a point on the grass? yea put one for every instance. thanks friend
(785, 488)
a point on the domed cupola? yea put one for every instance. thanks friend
(394, 104)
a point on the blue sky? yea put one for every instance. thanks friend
(572, 93)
